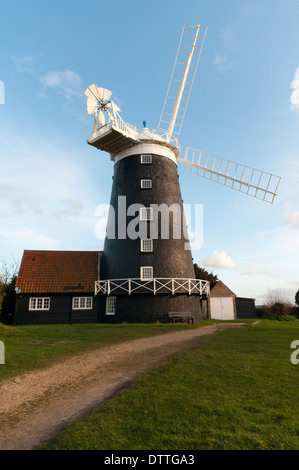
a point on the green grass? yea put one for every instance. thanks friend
(30, 347)
(234, 390)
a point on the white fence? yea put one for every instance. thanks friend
(153, 286)
(118, 124)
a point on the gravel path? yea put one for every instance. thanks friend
(35, 406)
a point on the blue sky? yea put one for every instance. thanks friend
(244, 106)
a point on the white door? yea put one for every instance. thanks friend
(222, 308)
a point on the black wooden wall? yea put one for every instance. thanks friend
(60, 310)
(245, 308)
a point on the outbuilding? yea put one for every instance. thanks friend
(245, 308)
(57, 287)
(222, 302)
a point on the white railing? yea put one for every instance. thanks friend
(118, 124)
(165, 136)
(154, 286)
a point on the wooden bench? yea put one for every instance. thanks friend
(182, 317)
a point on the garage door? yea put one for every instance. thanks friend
(222, 308)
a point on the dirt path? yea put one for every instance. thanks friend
(35, 406)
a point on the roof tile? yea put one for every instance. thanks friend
(58, 271)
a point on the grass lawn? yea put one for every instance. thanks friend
(236, 389)
(29, 347)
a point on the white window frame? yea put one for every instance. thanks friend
(146, 213)
(146, 184)
(144, 273)
(146, 245)
(110, 305)
(146, 159)
(39, 303)
(82, 303)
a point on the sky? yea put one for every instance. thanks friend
(244, 106)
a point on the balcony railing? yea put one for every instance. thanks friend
(153, 286)
(116, 124)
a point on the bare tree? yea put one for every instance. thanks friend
(8, 270)
(8, 273)
(278, 303)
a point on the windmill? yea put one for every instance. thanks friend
(150, 277)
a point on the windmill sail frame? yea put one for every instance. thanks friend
(182, 78)
(248, 180)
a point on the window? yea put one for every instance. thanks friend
(110, 305)
(146, 159)
(82, 303)
(146, 213)
(146, 273)
(146, 184)
(39, 303)
(146, 244)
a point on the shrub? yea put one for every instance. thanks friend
(281, 308)
(277, 304)
(286, 318)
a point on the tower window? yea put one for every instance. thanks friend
(146, 273)
(146, 213)
(146, 184)
(146, 244)
(110, 305)
(146, 159)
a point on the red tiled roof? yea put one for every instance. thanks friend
(58, 271)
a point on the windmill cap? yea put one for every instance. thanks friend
(146, 134)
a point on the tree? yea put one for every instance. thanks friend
(8, 269)
(278, 303)
(297, 298)
(8, 276)
(201, 273)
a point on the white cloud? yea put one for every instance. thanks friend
(68, 208)
(24, 64)
(222, 63)
(67, 83)
(291, 217)
(219, 60)
(219, 259)
(295, 94)
(28, 237)
(270, 233)
(228, 38)
(255, 272)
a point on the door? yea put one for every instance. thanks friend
(222, 308)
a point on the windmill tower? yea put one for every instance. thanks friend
(146, 271)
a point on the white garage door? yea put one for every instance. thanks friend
(222, 308)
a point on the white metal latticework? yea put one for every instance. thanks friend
(154, 286)
(182, 78)
(248, 180)
(117, 124)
